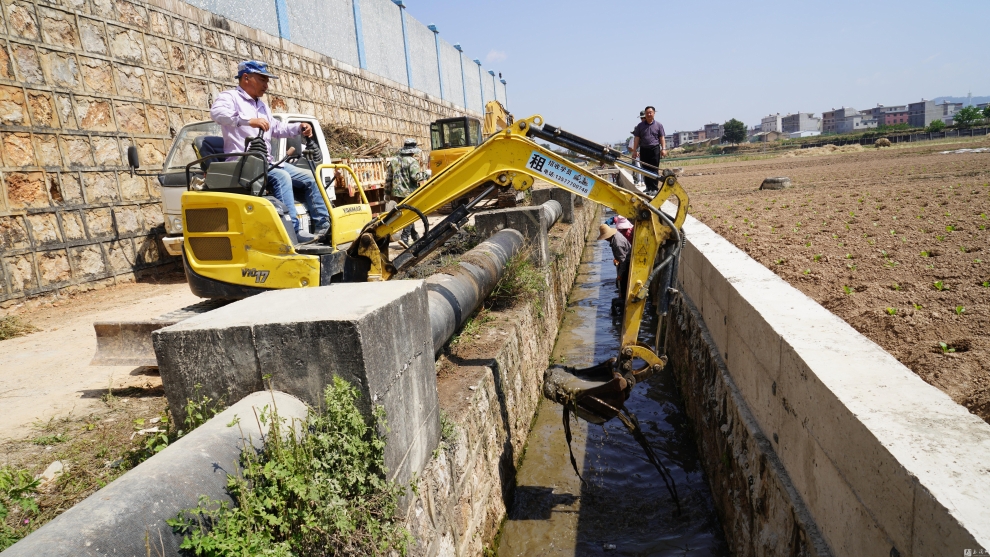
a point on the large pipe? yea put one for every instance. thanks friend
(127, 517)
(453, 297)
(552, 211)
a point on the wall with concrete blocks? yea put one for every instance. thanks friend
(80, 80)
(813, 429)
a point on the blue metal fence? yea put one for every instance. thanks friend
(366, 34)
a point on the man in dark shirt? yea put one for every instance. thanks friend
(620, 255)
(649, 142)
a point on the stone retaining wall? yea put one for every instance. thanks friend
(462, 495)
(80, 80)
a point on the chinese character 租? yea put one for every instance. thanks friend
(537, 162)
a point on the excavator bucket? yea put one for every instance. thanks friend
(595, 394)
(128, 343)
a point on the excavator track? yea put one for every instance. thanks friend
(128, 343)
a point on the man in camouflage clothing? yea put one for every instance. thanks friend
(402, 177)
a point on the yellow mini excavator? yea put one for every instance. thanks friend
(250, 250)
(244, 247)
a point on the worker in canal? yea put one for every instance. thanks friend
(621, 224)
(620, 255)
(402, 177)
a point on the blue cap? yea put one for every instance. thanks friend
(254, 66)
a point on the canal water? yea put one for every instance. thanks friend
(624, 507)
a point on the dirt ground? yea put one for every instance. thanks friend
(59, 409)
(46, 374)
(894, 241)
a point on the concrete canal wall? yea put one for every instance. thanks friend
(817, 441)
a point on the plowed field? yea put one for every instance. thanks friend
(894, 241)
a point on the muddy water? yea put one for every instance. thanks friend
(623, 508)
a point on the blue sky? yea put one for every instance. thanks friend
(590, 67)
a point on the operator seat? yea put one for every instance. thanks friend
(206, 145)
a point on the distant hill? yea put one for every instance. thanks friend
(976, 100)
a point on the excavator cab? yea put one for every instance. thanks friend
(451, 138)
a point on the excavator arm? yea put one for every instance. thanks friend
(512, 158)
(496, 118)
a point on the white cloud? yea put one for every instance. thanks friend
(495, 56)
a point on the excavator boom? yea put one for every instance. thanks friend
(512, 158)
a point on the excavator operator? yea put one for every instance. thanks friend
(239, 111)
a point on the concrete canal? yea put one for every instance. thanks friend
(623, 508)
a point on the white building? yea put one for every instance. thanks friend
(771, 123)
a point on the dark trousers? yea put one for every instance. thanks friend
(650, 155)
(409, 231)
(622, 277)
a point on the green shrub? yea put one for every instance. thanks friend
(17, 488)
(315, 488)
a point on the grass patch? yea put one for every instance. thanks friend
(520, 282)
(13, 326)
(94, 449)
(316, 488)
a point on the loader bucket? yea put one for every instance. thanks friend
(128, 343)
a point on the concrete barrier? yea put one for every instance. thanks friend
(371, 334)
(128, 516)
(884, 463)
(532, 222)
(566, 199)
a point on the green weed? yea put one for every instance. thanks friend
(17, 491)
(891, 311)
(848, 290)
(960, 310)
(945, 348)
(520, 281)
(198, 411)
(50, 439)
(940, 286)
(317, 487)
